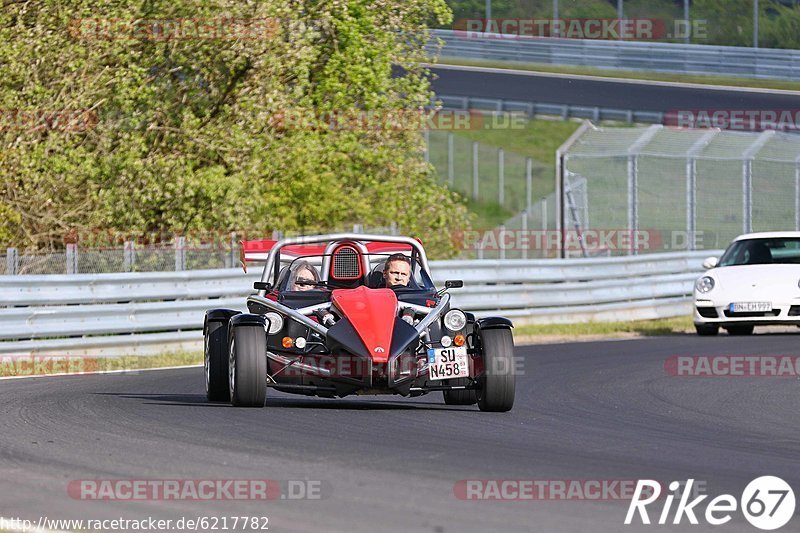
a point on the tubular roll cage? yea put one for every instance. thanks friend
(336, 239)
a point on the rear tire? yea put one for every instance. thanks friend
(247, 366)
(460, 397)
(497, 385)
(215, 360)
(740, 330)
(706, 330)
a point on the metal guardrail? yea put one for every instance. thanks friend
(126, 313)
(767, 63)
(565, 111)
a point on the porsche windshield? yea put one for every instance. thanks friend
(762, 252)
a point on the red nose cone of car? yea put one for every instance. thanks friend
(372, 313)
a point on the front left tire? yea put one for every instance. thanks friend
(247, 366)
(498, 383)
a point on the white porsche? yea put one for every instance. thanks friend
(755, 282)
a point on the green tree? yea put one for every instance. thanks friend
(185, 136)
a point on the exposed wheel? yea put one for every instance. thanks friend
(740, 330)
(496, 392)
(215, 360)
(460, 397)
(247, 366)
(706, 330)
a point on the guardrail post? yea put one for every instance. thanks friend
(12, 261)
(475, 170)
(501, 175)
(72, 258)
(128, 256)
(180, 254)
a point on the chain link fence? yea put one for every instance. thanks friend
(682, 189)
(484, 173)
(175, 255)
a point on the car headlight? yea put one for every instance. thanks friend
(455, 320)
(704, 284)
(275, 322)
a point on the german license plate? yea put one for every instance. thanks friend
(750, 307)
(448, 363)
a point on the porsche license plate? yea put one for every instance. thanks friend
(750, 307)
(448, 363)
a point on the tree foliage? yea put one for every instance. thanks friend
(184, 137)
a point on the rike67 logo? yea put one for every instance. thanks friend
(767, 503)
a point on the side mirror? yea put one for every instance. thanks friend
(710, 262)
(453, 284)
(262, 286)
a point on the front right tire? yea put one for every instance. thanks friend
(247, 366)
(215, 360)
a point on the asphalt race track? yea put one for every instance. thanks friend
(584, 411)
(615, 94)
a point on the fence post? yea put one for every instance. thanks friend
(450, 160)
(12, 262)
(691, 185)
(180, 253)
(234, 255)
(797, 194)
(475, 170)
(501, 242)
(748, 157)
(528, 183)
(393, 228)
(501, 174)
(427, 135)
(527, 237)
(72, 258)
(128, 257)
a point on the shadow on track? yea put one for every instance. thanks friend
(199, 400)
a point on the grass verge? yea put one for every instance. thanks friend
(42, 365)
(646, 328)
(628, 75)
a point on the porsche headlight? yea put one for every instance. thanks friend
(275, 322)
(455, 320)
(704, 284)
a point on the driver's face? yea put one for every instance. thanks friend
(397, 273)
